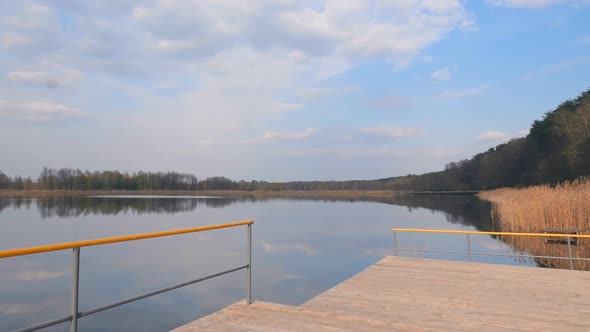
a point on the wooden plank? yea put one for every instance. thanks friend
(262, 316)
(409, 294)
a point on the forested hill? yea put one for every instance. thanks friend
(556, 149)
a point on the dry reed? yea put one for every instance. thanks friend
(542, 208)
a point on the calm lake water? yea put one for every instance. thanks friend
(301, 248)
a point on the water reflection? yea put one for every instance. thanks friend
(457, 209)
(539, 246)
(464, 210)
(73, 206)
(302, 247)
(467, 211)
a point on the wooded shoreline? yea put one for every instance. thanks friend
(328, 194)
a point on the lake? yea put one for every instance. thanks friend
(301, 247)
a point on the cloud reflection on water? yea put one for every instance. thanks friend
(301, 247)
(283, 247)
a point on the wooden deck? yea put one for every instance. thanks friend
(410, 294)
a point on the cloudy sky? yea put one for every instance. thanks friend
(280, 89)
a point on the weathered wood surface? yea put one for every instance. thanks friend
(410, 294)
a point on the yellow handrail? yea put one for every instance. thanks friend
(115, 239)
(450, 231)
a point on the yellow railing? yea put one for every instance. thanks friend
(115, 239)
(451, 231)
(75, 314)
(469, 253)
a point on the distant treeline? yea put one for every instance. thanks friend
(75, 179)
(556, 149)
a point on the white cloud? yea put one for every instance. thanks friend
(293, 135)
(462, 93)
(495, 135)
(342, 30)
(536, 4)
(325, 92)
(34, 77)
(10, 40)
(393, 131)
(26, 26)
(29, 76)
(37, 111)
(443, 74)
(49, 75)
(284, 107)
(187, 78)
(492, 135)
(267, 41)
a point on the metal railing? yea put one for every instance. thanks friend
(75, 314)
(469, 253)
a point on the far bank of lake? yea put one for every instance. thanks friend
(331, 194)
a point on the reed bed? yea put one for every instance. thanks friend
(540, 208)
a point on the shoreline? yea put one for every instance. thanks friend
(328, 194)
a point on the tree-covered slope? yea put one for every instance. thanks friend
(556, 149)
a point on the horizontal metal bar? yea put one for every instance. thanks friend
(45, 325)
(533, 256)
(451, 231)
(433, 251)
(120, 303)
(160, 291)
(115, 239)
(489, 254)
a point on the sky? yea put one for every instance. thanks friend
(280, 90)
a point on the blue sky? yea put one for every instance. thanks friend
(280, 90)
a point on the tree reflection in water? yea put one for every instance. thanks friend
(465, 210)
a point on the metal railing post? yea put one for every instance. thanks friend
(394, 243)
(468, 247)
(569, 252)
(249, 299)
(76, 247)
(75, 284)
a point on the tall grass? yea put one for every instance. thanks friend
(536, 208)
(539, 208)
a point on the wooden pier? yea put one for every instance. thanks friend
(411, 294)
